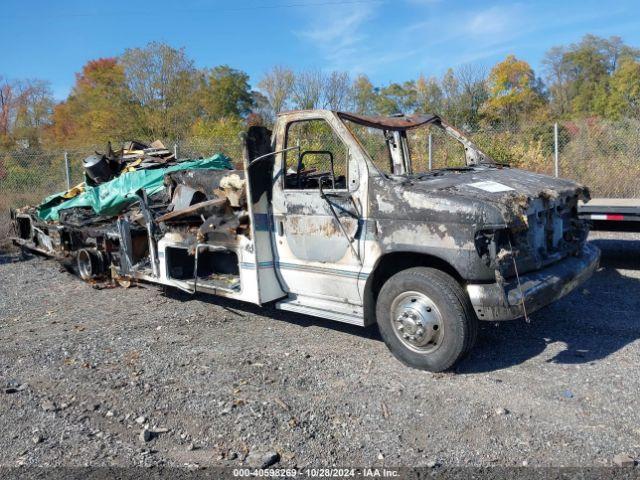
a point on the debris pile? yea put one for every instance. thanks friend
(110, 225)
(214, 201)
(100, 168)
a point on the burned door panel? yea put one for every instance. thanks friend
(311, 231)
(317, 222)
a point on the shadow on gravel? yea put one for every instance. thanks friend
(593, 322)
(10, 256)
(13, 254)
(623, 254)
(243, 309)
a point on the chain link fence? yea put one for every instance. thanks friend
(601, 154)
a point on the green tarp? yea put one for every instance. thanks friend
(109, 198)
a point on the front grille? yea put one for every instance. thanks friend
(553, 232)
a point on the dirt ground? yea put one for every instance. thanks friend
(84, 372)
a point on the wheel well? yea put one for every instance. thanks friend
(392, 263)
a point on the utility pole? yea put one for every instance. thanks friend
(555, 149)
(67, 170)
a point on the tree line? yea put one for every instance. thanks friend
(157, 92)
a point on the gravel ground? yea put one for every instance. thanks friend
(86, 372)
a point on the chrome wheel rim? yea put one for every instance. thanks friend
(417, 322)
(85, 265)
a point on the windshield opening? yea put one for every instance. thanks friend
(416, 151)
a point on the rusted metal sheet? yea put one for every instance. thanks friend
(192, 210)
(399, 122)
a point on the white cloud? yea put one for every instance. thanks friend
(349, 38)
(340, 33)
(467, 22)
(454, 37)
(492, 21)
(340, 28)
(368, 38)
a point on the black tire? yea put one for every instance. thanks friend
(457, 323)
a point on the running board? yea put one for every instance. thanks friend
(351, 318)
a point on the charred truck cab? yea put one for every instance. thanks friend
(343, 220)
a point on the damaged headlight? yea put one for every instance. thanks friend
(491, 243)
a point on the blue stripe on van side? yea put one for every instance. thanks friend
(305, 268)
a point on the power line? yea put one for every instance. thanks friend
(194, 11)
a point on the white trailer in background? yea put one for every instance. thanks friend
(611, 214)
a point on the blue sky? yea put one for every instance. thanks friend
(389, 40)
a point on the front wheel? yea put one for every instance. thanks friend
(426, 319)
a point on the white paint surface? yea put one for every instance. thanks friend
(491, 186)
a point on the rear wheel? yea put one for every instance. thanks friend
(426, 319)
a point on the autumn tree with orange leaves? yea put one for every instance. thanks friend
(98, 107)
